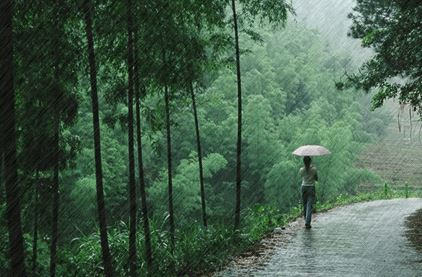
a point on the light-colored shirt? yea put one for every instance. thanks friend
(308, 176)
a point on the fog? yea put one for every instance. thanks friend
(329, 18)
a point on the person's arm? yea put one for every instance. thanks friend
(316, 176)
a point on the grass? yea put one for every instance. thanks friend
(199, 251)
(382, 192)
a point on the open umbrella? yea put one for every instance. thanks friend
(311, 150)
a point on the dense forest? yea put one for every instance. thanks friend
(153, 137)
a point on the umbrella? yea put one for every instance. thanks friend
(311, 150)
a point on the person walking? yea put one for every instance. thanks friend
(309, 177)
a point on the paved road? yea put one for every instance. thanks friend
(365, 239)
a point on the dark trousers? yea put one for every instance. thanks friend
(308, 198)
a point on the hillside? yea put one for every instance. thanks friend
(397, 156)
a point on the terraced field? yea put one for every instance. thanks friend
(397, 157)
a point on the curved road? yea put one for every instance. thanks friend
(364, 239)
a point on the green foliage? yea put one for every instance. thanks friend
(261, 220)
(84, 193)
(194, 241)
(275, 12)
(43, 259)
(376, 194)
(289, 100)
(199, 250)
(392, 30)
(282, 185)
(186, 186)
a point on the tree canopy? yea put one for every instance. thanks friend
(393, 29)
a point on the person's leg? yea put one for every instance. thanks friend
(310, 195)
(304, 201)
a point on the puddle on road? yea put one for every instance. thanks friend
(414, 230)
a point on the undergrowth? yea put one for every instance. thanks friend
(199, 250)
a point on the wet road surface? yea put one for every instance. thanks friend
(364, 239)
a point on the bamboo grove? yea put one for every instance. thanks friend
(141, 137)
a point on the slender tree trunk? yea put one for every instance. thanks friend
(239, 120)
(410, 122)
(56, 146)
(169, 170)
(132, 186)
(147, 233)
(199, 148)
(1, 140)
(55, 219)
(1, 167)
(8, 131)
(105, 249)
(35, 225)
(2, 199)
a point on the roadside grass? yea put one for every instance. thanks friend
(385, 191)
(199, 251)
(260, 222)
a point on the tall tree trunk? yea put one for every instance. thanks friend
(8, 131)
(35, 225)
(56, 146)
(1, 166)
(55, 208)
(105, 249)
(239, 120)
(147, 233)
(199, 148)
(132, 186)
(2, 174)
(169, 170)
(410, 122)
